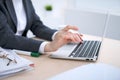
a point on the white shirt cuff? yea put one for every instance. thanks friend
(53, 36)
(42, 47)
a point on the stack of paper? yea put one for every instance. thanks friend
(17, 64)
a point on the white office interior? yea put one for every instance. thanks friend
(94, 17)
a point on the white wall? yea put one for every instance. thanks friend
(113, 26)
(51, 18)
(113, 5)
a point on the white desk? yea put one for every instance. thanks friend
(46, 67)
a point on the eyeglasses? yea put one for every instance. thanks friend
(10, 59)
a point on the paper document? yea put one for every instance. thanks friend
(97, 71)
(11, 63)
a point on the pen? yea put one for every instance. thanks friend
(33, 54)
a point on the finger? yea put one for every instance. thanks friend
(77, 35)
(80, 36)
(77, 38)
(70, 37)
(70, 27)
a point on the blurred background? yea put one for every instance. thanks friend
(94, 17)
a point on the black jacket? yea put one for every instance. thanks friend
(8, 27)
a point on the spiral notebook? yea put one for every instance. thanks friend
(11, 63)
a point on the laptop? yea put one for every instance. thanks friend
(88, 50)
(94, 23)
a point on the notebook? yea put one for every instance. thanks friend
(11, 63)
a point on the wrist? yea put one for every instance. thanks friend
(49, 47)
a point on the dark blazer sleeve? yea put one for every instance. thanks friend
(8, 39)
(38, 28)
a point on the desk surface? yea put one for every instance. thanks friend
(46, 67)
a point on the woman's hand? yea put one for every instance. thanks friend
(63, 37)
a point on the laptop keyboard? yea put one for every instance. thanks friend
(87, 49)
